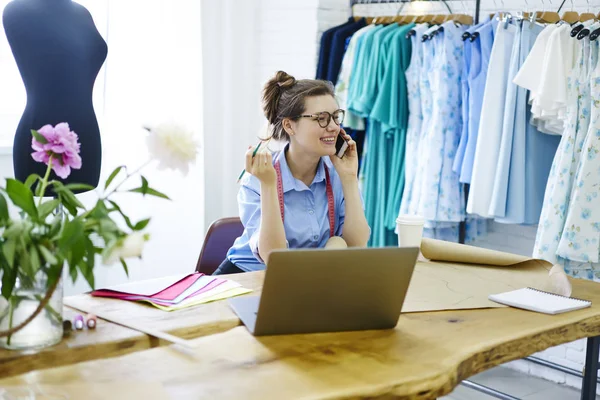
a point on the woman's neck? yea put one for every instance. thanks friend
(302, 166)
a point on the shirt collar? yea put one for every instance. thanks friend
(287, 179)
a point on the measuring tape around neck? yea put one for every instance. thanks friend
(330, 200)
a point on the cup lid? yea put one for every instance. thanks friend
(410, 219)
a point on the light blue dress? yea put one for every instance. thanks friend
(442, 198)
(480, 57)
(525, 153)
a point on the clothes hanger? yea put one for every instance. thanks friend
(595, 34)
(570, 17)
(586, 16)
(548, 17)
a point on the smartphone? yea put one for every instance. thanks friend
(340, 146)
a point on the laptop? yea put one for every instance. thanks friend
(329, 290)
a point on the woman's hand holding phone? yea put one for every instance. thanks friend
(346, 164)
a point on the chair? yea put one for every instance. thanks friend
(219, 238)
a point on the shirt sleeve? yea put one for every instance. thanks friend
(249, 208)
(250, 213)
(342, 215)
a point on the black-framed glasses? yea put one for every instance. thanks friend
(324, 117)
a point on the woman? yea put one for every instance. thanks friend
(319, 191)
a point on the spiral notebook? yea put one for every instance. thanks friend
(539, 301)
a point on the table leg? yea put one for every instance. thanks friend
(590, 376)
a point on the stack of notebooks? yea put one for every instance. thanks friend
(175, 292)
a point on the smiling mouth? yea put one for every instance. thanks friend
(328, 140)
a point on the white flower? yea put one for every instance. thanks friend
(131, 246)
(173, 146)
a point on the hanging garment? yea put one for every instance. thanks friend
(343, 83)
(325, 49)
(481, 50)
(580, 239)
(525, 154)
(492, 116)
(415, 116)
(338, 48)
(467, 55)
(564, 166)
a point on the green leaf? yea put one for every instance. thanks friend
(48, 256)
(9, 277)
(79, 186)
(73, 272)
(31, 179)
(141, 224)
(124, 264)
(9, 249)
(25, 261)
(71, 234)
(55, 228)
(14, 230)
(70, 207)
(125, 217)
(77, 251)
(144, 185)
(34, 257)
(3, 210)
(54, 272)
(108, 225)
(46, 208)
(21, 196)
(67, 194)
(151, 192)
(113, 175)
(38, 136)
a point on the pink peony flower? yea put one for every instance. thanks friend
(61, 145)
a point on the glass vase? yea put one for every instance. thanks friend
(46, 329)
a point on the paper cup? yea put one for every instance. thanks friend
(410, 230)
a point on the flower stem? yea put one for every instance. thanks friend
(12, 306)
(45, 181)
(129, 175)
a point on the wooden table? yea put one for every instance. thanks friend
(110, 340)
(424, 357)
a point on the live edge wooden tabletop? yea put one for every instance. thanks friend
(110, 340)
(424, 357)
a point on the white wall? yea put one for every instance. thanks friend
(153, 72)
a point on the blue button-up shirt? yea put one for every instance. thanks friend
(306, 219)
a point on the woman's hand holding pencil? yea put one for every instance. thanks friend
(260, 164)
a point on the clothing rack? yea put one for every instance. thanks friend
(403, 2)
(590, 380)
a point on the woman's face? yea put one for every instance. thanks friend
(306, 132)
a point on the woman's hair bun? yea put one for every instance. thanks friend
(272, 93)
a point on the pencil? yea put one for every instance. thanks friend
(253, 154)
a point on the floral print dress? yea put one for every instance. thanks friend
(569, 229)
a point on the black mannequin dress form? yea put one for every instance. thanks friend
(59, 53)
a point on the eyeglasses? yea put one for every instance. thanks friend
(324, 118)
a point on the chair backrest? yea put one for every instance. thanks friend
(219, 238)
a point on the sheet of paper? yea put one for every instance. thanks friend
(438, 250)
(218, 296)
(437, 286)
(203, 284)
(148, 287)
